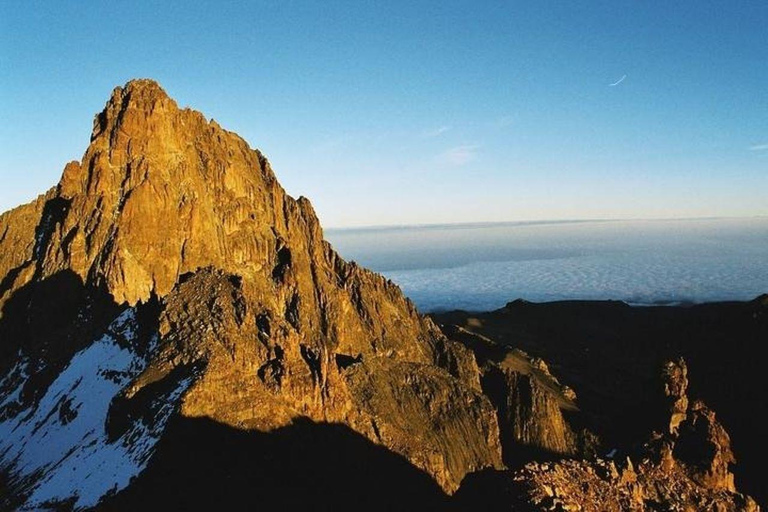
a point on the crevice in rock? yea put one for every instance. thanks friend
(264, 327)
(344, 361)
(292, 311)
(312, 359)
(283, 263)
(54, 212)
(271, 372)
(356, 297)
(238, 301)
(375, 428)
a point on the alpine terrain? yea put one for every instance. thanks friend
(176, 334)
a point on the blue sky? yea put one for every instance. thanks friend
(421, 112)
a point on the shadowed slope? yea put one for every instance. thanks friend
(610, 353)
(259, 317)
(203, 465)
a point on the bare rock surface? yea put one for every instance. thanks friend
(175, 333)
(684, 468)
(253, 313)
(532, 405)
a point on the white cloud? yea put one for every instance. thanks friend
(617, 82)
(759, 147)
(459, 155)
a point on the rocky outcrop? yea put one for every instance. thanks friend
(610, 486)
(675, 380)
(530, 404)
(168, 286)
(704, 449)
(251, 309)
(683, 468)
(537, 415)
(611, 353)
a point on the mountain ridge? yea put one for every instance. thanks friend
(168, 279)
(162, 193)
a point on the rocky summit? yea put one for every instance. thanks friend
(175, 333)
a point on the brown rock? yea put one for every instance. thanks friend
(256, 307)
(684, 469)
(675, 379)
(529, 412)
(704, 447)
(530, 401)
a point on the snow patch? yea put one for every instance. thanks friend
(60, 451)
(14, 379)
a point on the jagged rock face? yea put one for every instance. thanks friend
(704, 447)
(255, 314)
(530, 402)
(259, 375)
(675, 380)
(697, 439)
(684, 468)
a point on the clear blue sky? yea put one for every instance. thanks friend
(421, 112)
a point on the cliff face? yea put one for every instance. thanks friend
(531, 404)
(175, 333)
(243, 313)
(611, 354)
(686, 466)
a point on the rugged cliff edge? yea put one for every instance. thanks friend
(175, 333)
(659, 446)
(684, 466)
(171, 250)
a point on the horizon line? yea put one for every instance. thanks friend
(490, 223)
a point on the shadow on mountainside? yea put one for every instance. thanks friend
(204, 465)
(491, 490)
(200, 464)
(610, 353)
(46, 322)
(42, 313)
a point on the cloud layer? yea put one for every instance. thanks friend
(645, 262)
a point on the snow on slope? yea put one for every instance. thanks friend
(59, 451)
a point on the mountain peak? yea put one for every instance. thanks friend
(139, 99)
(140, 93)
(169, 277)
(168, 210)
(155, 188)
(143, 86)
